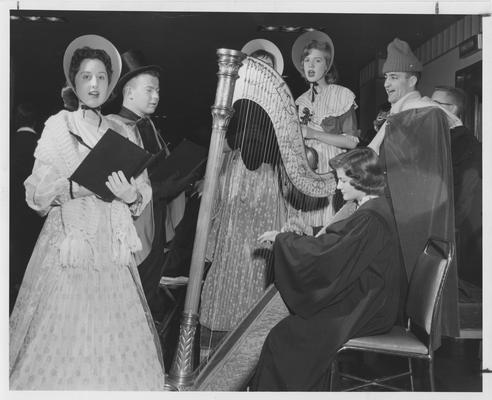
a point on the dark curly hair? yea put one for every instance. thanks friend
(260, 53)
(362, 166)
(83, 53)
(70, 99)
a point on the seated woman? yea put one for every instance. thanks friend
(346, 281)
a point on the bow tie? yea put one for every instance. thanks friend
(97, 110)
(86, 107)
(314, 92)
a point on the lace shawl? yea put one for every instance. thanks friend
(81, 216)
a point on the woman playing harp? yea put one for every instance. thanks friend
(345, 282)
(249, 202)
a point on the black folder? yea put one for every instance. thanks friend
(112, 153)
(184, 160)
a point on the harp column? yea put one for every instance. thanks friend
(181, 374)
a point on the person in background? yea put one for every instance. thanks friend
(25, 224)
(81, 321)
(466, 155)
(343, 282)
(139, 86)
(248, 202)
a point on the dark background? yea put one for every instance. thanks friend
(185, 44)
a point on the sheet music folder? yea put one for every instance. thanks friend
(112, 153)
(184, 160)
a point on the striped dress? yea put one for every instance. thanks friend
(330, 101)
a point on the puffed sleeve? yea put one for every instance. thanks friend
(343, 124)
(46, 188)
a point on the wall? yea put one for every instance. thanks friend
(441, 71)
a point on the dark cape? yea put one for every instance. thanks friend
(346, 283)
(417, 154)
(150, 269)
(466, 153)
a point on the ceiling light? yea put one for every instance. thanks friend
(268, 28)
(33, 18)
(54, 19)
(290, 28)
(15, 18)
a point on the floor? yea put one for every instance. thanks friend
(457, 365)
(457, 368)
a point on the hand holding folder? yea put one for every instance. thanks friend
(172, 175)
(112, 153)
(183, 162)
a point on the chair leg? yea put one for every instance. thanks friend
(431, 375)
(332, 373)
(412, 388)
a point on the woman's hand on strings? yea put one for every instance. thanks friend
(121, 188)
(297, 225)
(268, 236)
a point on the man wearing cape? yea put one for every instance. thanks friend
(415, 150)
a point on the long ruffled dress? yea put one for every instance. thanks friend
(249, 204)
(330, 101)
(81, 321)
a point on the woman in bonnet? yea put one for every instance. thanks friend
(248, 203)
(326, 110)
(81, 320)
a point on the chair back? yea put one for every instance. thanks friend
(427, 282)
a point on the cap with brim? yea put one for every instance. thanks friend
(303, 40)
(264, 44)
(134, 64)
(94, 42)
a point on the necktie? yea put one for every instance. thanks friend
(146, 130)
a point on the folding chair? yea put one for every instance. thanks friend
(422, 306)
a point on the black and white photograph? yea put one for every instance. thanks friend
(226, 197)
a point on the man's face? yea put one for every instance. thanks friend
(144, 94)
(398, 84)
(445, 101)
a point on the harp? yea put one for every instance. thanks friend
(231, 366)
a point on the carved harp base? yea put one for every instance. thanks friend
(181, 375)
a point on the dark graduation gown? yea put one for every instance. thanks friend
(346, 283)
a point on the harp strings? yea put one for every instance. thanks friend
(252, 138)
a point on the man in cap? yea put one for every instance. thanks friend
(139, 86)
(414, 149)
(466, 155)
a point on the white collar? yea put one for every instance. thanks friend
(367, 197)
(399, 105)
